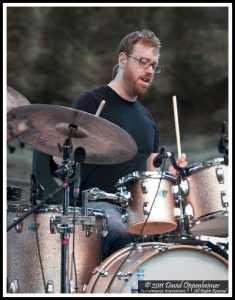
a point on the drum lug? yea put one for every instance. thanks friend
(88, 229)
(104, 230)
(138, 247)
(144, 187)
(53, 224)
(103, 273)
(206, 249)
(84, 288)
(184, 186)
(50, 286)
(14, 287)
(220, 174)
(178, 213)
(160, 248)
(124, 217)
(224, 199)
(19, 226)
(177, 193)
(188, 211)
(146, 208)
(73, 288)
(124, 276)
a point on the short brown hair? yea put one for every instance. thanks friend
(145, 35)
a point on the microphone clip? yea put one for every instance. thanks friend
(158, 160)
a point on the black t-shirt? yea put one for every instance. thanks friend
(135, 119)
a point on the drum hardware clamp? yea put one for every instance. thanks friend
(121, 199)
(55, 220)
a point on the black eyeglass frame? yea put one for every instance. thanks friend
(155, 66)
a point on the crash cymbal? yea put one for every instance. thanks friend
(15, 99)
(48, 126)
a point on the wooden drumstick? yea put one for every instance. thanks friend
(177, 131)
(100, 108)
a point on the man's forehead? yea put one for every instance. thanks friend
(142, 47)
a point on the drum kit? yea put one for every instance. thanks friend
(57, 248)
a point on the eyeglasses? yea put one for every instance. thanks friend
(146, 63)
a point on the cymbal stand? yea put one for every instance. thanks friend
(64, 171)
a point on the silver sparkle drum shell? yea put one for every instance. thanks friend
(207, 195)
(160, 261)
(152, 189)
(23, 260)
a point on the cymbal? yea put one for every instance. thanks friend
(14, 99)
(49, 125)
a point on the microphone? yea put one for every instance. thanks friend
(77, 181)
(37, 190)
(79, 154)
(129, 178)
(223, 138)
(79, 157)
(158, 159)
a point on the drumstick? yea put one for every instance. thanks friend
(100, 108)
(177, 131)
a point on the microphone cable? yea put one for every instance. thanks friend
(141, 231)
(39, 252)
(77, 172)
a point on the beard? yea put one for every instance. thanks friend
(133, 83)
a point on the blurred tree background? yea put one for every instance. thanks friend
(56, 53)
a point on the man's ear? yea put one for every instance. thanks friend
(122, 60)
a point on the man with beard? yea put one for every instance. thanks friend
(138, 56)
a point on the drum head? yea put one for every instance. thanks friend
(160, 261)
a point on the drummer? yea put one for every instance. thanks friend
(137, 65)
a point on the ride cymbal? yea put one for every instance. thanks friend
(49, 125)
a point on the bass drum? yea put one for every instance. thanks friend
(161, 261)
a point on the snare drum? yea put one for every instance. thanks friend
(151, 189)
(207, 195)
(23, 254)
(160, 261)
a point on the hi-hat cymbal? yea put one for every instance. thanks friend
(49, 125)
(14, 99)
